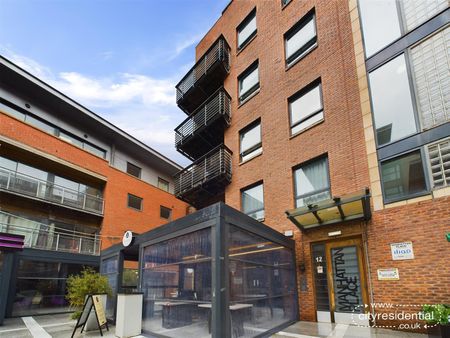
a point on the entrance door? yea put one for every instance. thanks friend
(345, 284)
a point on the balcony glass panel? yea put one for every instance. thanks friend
(36, 183)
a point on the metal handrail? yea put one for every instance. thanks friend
(219, 51)
(213, 164)
(46, 190)
(45, 239)
(218, 103)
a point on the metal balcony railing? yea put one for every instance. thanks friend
(213, 167)
(46, 237)
(218, 53)
(26, 185)
(218, 105)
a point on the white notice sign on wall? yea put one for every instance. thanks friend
(401, 251)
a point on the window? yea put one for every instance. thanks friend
(165, 212)
(392, 101)
(403, 177)
(248, 81)
(311, 182)
(134, 202)
(253, 201)
(163, 184)
(70, 139)
(285, 2)
(40, 124)
(439, 156)
(133, 170)
(379, 33)
(250, 139)
(430, 60)
(247, 29)
(301, 38)
(306, 108)
(94, 150)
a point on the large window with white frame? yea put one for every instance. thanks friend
(301, 38)
(246, 30)
(252, 201)
(248, 81)
(306, 108)
(250, 141)
(311, 182)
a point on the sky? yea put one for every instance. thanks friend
(121, 59)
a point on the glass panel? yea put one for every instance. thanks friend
(250, 80)
(300, 38)
(133, 170)
(163, 184)
(249, 139)
(262, 284)
(392, 102)
(40, 124)
(305, 105)
(247, 30)
(110, 268)
(8, 164)
(134, 202)
(419, 11)
(403, 176)
(309, 180)
(431, 59)
(177, 286)
(165, 212)
(41, 287)
(439, 157)
(94, 150)
(253, 202)
(346, 280)
(11, 111)
(70, 139)
(379, 33)
(307, 123)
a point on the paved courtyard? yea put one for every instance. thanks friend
(61, 326)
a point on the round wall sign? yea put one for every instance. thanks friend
(127, 238)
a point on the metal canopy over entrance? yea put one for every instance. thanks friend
(354, 206)
(213, 273)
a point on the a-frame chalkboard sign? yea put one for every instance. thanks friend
(92, 301)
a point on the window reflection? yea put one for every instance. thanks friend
(392, 102)
(403, 176)
(41, 287)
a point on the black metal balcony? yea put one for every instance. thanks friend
(206, 177)
(205, 77)
(203, 129)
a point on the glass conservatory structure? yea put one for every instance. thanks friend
(214, 273)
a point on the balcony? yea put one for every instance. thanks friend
(203, 129)
(25, 185)
(205, 77)
(46, 237)
(206, 177)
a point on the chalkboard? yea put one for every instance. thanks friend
(92, 301)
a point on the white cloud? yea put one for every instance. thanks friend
(140, 104)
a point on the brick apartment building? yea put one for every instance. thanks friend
(72, 183)
(323, 112)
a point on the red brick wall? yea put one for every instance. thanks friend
(117, 216)
(341, 136)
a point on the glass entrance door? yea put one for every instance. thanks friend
(341, 296)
